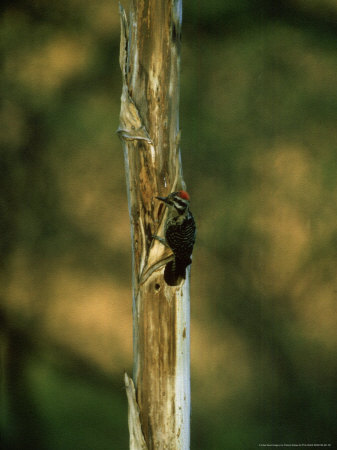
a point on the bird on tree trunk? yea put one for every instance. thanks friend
(180, 232)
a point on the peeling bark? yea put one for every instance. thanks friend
(149, 130)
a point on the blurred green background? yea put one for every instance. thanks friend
(259, 150)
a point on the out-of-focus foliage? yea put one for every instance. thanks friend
(258, 118)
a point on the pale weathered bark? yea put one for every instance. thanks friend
(149, 130)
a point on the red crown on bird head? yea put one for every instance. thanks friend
(184, 195)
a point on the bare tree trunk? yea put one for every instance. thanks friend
(159, 408)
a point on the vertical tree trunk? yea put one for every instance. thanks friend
(159, 411)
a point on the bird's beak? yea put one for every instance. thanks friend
(164, 199)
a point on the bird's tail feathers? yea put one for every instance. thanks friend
(175, 271)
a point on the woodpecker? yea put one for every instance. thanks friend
(180, 234)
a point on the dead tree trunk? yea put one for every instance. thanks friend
(159, 407)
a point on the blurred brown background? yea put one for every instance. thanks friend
(259, 134)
